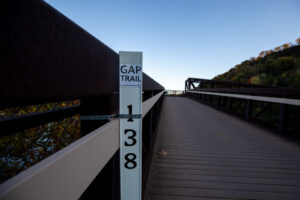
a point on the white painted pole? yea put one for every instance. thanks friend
(131, 75)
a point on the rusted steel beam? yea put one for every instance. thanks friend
(150, 84)
(45, 57)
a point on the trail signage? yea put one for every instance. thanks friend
(130, 107)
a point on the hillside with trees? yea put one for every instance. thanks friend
(277, 67)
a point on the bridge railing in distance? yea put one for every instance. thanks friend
(52, 73)
(174, 92)
(278, 107)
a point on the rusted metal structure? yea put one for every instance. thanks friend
(45, 58)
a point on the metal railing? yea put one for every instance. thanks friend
(174, 92)
(67, 173)
(53, 60)
(279, 105)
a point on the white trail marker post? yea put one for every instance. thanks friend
(130, 107)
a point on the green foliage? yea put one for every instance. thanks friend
(275, 68)
(280, 67)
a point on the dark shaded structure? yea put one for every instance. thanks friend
(45, 57)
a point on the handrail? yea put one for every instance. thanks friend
(148, 104)
(11, 125)
(270, 92)
(250, 97)
(67, 173)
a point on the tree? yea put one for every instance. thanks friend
(298, 41)
(286, 45)
(255, 80)
(261, 54)
(268, 52)
(277, 49)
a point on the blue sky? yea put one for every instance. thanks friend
(187, 38)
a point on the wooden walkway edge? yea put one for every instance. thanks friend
(202, 153)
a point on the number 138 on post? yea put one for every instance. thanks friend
(130, 124)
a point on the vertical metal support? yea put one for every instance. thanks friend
(116, 176)
(248, 112)
(221, 102)
(147, 144)
(106, 184)
(218, 101)
(150, 123)
(281, 123)
(230, 102)
(150, 128)
(102, 105)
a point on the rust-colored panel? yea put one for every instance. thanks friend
(46, 57)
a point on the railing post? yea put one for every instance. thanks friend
(281, 123)
(147, 145)
(104, 185)
(248, 112)
(218, 101)
(230, 104)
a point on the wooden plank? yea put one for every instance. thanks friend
(226, 179)
(216, 193)
(211, 155)
(173, 197)
(225, 168)
(225, 186)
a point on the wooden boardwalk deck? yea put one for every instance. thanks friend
(211, 155)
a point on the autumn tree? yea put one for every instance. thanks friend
(286, 45)
(268, 52)
(298, 41)
(261, 54)
(277, 49)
